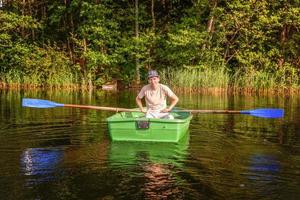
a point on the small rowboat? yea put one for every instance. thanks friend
(133, 126)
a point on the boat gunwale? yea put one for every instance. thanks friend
(159, 120)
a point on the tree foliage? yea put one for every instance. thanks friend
(95, 41)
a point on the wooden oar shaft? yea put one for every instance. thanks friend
(101, 108)
(115, 109)
(211, 111)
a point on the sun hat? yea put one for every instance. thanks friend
(152, 73)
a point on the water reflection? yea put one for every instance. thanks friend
(263, 175)
(263, 168)
(156, 164)
(227, 157)
(161, 182)
(40, 164)
(131, 153)
(264, 163)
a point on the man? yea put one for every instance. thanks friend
(155, 96)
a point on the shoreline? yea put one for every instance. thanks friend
(182, 90)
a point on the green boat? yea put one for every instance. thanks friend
(133, 126)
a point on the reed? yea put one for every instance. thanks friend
(199, 79)
(15, 79)
(216, 81)
(12, 78)
(196, 79)
(254, 81)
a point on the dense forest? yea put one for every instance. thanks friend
(250, 44)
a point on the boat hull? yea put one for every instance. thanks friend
(133, 126)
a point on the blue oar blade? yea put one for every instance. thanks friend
(39, 103)
(265, 112)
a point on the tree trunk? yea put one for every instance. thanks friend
(210, 24)
(153, 15)
(137, 67)
(31, 10)
(23, 14)
(70, 50)
(283, 38)
(211, 21)
(86, 73)
(284, 34)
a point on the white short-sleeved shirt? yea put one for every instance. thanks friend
(156, 99)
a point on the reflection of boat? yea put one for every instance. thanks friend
(130, 153)
(133, 126)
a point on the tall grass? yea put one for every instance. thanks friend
(12, 78)
(284, 80)
(17, 79)
(196, 79)
(62, 78)
(40, 67)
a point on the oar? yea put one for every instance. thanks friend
(264, 112)
(40, 103)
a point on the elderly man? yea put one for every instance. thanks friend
(156, 98)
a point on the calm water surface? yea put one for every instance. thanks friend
(66, 153)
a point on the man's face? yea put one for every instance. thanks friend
(153, 81)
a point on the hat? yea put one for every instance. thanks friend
(152, 73)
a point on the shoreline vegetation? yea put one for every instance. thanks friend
(184, 81)
(217, 46)
(180, 90)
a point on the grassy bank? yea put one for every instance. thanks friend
(184, 80)
(284, 81)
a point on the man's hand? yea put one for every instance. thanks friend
(174, 100)
(143, 110)
(139, 103)
(166, 110)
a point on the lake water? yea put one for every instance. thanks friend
(66, 153)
